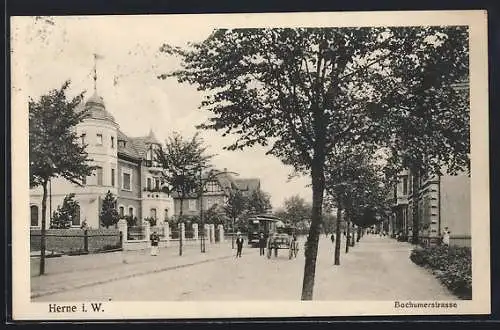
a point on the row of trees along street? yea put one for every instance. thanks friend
(308, 93)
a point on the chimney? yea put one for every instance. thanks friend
(225, 169)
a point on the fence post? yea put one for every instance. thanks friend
(212, 233)
(85, 241)
(221, 233)
(195, 231)
(123, 228)
(147, 230)
(183, 231)
(166, 232)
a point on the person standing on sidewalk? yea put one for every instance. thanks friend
(155, 240)
(446, 237)
(239, 245)
(262, 244)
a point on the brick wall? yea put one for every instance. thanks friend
(66, 240)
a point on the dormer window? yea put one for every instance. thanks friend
(122, 143)
(149, 153)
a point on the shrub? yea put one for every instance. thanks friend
(451, 265)
(62, 217)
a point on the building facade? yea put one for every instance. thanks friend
(443, 204)
(126, 166)
(216, 192)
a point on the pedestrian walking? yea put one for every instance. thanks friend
(262, 244)
(239, 245)
(155, 240)
(332, 238)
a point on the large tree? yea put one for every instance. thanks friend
(258, 202)
(301, 91)
(428, 114)
(183, 160)
(55, 150)
(297, 210)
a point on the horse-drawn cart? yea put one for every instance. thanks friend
(282, 242)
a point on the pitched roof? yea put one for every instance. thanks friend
(129, 148)
(248, 184)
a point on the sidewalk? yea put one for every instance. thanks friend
(377, 268)
(73, 272)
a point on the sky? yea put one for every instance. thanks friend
(44, 55)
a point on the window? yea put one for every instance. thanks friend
(112, 177)
(126, 181)
(213, 186)
(131, 212)
(157, 184)
(152, 213)
(83, 138)
(405, 185)
(84, 180)
(98, 171)
(166, 214)
(192, 204)
(121, 211)
(34, 215)
(75, 221)
(149, 154)
(149, 184)
(121, 143)
(99, 139)
(112, 142)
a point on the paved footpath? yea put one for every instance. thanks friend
(72, 272)
(378, 268)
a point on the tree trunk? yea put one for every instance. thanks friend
(415, 219)
(318, 187)
(338, 233)
(348, 234)
(44, 229)
(232, 234)
(180, 227)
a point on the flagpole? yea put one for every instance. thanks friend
(95, 72)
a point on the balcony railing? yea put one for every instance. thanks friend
(157, 190)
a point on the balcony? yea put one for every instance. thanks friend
(156, 192)
(153, 166)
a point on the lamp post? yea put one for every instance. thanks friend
(210, 176)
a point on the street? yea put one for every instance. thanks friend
(375, 269)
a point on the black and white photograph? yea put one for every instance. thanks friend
(250, 165)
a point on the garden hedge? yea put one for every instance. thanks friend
(451, 265)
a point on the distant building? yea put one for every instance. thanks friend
(126, 167)
(217, 190)
(443, 202)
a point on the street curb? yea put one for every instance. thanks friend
(80, 286)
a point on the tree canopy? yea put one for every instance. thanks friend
(303, 91)
(54, 145)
